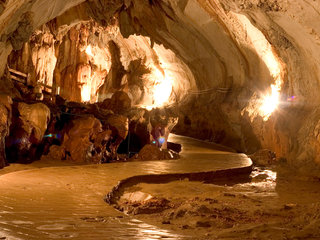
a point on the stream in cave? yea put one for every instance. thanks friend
(50, 200)
(104, 74)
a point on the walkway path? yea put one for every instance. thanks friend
(67, 201)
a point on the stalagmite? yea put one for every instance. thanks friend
(167, 92)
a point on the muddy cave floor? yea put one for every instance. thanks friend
(267, 206)
(46, 201)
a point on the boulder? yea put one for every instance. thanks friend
(89, 146)
(85, 142)
(119, 125)
(162, 123)
(79, 139)
(151, 152)
(35, 119)
(56, 153)
(139, 131)
(5, 121)
(28, 127)
(263, 157)
(119, 102)
(100, 153)
(106, 104)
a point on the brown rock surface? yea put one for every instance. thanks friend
(263, 157)
(239, 48)
(120, 102)
(27, 130)
(120, 126)
(35, 119)
(151, 152)
(78, 141)
(5, 121)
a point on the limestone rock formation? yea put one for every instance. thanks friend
(139, 131)
(88, 133)
(35, 119)
(79, 140)
(226, 59)
(84, 142)
(151, 152)
(23, 32)
(28, 127)
(119, 125)
(263, 157)
(5, 121)
(119, 102)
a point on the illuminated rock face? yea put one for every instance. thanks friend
(29, 124)
(37, 57)
(91, 62)
(245, 73)
(5, 121)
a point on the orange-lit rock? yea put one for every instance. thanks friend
(30, 122)
(119, 125)
(227, 65)
(5, 121)
(35, 119)
(120, 102)
(79, 139)
(151, 152)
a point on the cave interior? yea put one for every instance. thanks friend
(101, 81)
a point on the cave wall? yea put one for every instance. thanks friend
(88, 62)
(210, 38)
(36, 57)
(286, 132)
(219, 58)
(290, 27)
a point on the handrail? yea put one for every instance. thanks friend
(24, 78)
(18, 73)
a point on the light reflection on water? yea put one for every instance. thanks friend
(111, 228)
(146, 231)
(270, 175)
(66, 202)
(264, 181)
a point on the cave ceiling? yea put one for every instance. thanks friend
(251, 65)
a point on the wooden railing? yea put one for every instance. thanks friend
(25, 78)
(18, 76)
(46, 86)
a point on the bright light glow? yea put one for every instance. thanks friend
(161, 140)
(268, 102)
(162, 89)
(91, 80)
(86, 93)
(85, 82)
(89, 50)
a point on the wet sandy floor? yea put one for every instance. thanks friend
(269, 206)
(65, 201)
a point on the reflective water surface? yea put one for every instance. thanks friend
(66, 202)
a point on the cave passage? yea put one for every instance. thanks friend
(119, 94)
